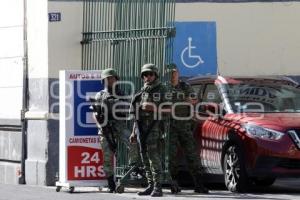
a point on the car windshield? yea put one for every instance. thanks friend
(261, 97)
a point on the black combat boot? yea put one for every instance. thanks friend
(157, 191)
(174, 185)
(147, 191)
(199, 187)
(111, 184)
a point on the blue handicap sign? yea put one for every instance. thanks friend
(195, 49)
(81, 106)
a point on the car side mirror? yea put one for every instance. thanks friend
(212, 109)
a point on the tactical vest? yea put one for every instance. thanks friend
(155, 96)
(107, 99)
(179, 94)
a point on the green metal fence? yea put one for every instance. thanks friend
(125, 34)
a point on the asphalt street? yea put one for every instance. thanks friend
(281, 190)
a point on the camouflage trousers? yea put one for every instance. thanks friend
(181, 135)
(121, 134)
(150, 150)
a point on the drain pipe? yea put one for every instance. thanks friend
(25, 98)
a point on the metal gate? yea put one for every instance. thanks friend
(125, 34)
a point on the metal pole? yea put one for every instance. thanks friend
(25, 98)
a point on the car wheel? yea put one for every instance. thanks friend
(234, 170)
(265, 182)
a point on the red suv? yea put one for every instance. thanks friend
(248, 129)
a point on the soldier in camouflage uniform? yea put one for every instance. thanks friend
(117, 130)
(146, 103)
(181, 132)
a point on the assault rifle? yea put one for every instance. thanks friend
(106, 130)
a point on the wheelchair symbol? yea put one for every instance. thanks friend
(197, 58)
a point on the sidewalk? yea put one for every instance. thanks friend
(284, 189)
(25, 192)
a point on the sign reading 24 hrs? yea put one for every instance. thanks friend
(81, 156)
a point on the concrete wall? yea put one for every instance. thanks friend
(64, 53)
(11, 70)
(65, 36)
(10, 151)
(53, 46)
(252, 38)
(11, 54)
(38, 136)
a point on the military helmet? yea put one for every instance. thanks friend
(149, 68)
(109, 72)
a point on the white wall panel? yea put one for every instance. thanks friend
(252, 38)
(11, 71)
(11, 102)
(37, 38)
(65, 37)
(11, 40)
(11, 13)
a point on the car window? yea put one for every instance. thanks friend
(198, 90)
(211, 94)
(263, 97)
